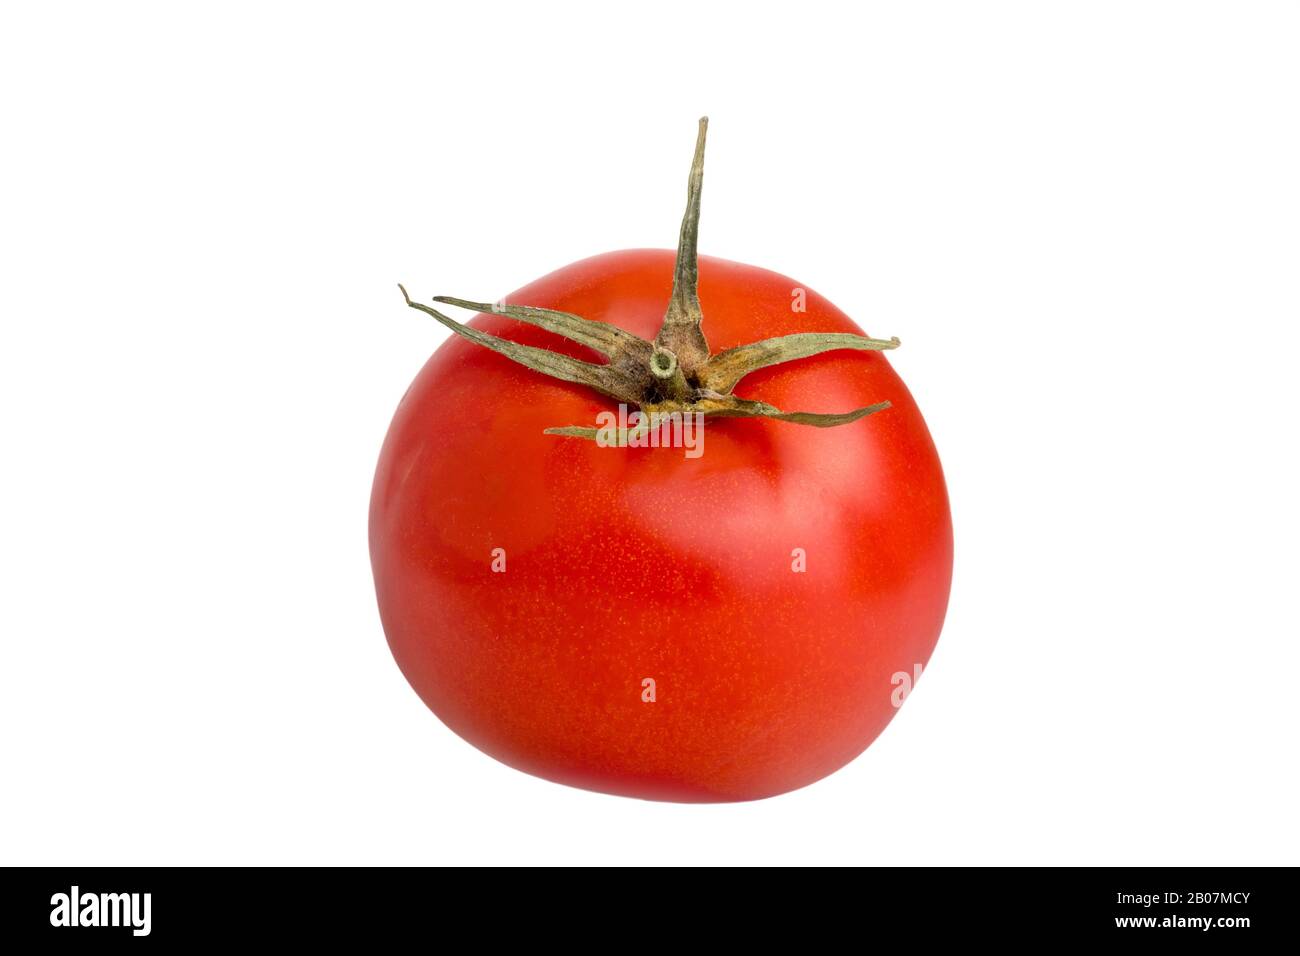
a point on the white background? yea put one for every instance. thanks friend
(1083, 220)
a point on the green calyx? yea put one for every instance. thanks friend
(675, 372)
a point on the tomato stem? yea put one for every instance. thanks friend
(665, 367)
(675, 372)
(681, 327)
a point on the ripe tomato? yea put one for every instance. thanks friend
(638, 621)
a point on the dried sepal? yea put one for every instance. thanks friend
(730, 406)
(726, 406)
(724, 370)
(603, 378)
(608, 340)
(622, 436)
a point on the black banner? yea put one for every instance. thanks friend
(135, 907)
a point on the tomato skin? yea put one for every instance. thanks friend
(630, 563)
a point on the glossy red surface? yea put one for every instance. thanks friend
(624, 564)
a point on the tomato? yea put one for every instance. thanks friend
(638, 620)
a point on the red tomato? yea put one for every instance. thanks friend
(628, 565)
